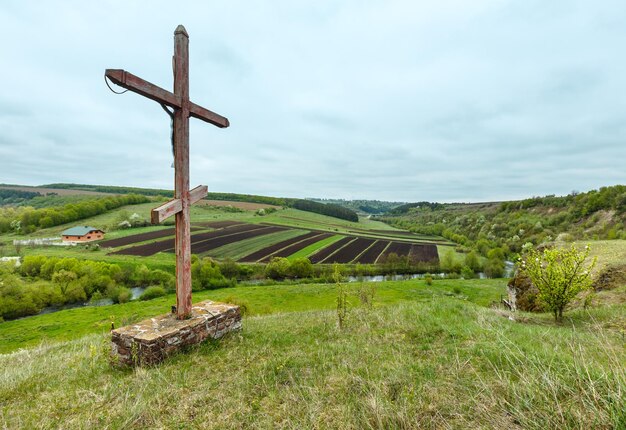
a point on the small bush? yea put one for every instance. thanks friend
(366, 295)
(467, 273)
(124, 295)
(152, 293)
(277, 268)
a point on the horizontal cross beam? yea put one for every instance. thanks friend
(147, 89)
(174, 206)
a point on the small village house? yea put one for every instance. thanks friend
(82, 234)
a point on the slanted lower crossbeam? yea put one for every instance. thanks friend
(174, 206)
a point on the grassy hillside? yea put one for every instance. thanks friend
(597, 214)
(438, 363)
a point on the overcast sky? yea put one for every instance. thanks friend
(391, 100)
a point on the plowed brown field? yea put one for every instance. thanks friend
(165, 245)
(298, 246)
(323, 253)
(370, 256)
(350, 251)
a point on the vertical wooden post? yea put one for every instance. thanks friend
(183, 198)
(181, 179)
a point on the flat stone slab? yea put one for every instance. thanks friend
(152, 340)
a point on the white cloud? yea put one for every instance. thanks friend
(400, 100)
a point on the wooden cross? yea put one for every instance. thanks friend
(183, 197)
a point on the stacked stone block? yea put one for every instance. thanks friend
(151, 341)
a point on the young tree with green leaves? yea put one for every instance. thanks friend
(559, 274)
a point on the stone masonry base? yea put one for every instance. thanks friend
(151, 341)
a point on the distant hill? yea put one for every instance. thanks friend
(363, 207)
(597, 214)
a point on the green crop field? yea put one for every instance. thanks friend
(242, 248)
(305, 252)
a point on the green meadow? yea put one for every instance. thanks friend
(421, 357)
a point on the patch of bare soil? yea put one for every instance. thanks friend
(60, 192)
(610, 278)
(246, 206)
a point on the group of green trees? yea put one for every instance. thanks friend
(282, 268)
(471, 263)
(50, 281)
(26, 219)
(14, 197)
(330, 209)
(250, 198)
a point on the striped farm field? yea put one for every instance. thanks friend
(286, 233)
(373, 252)
(216, 242)
(324, 253)
(136, 238)
(305, 252)
(240, 249)
(168, 244)
(286, 252)
(351, 251)
(268, 251)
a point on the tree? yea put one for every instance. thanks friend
(472, 261)
(63, 278)
(559, 275)
(494, 268)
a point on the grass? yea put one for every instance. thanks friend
(609, 252)
(436, 363)
(161, 260)
(260, 300)
(301, 219)
(237, 250)
(306, 251)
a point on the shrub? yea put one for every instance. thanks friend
(449, 263)
(472, 261)
(559, 275)
(277, 268)
(124, 295)
(229, 268)
(301, 268)
(206, 275)
(494, 268)
(152, 293)
(467, 273)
